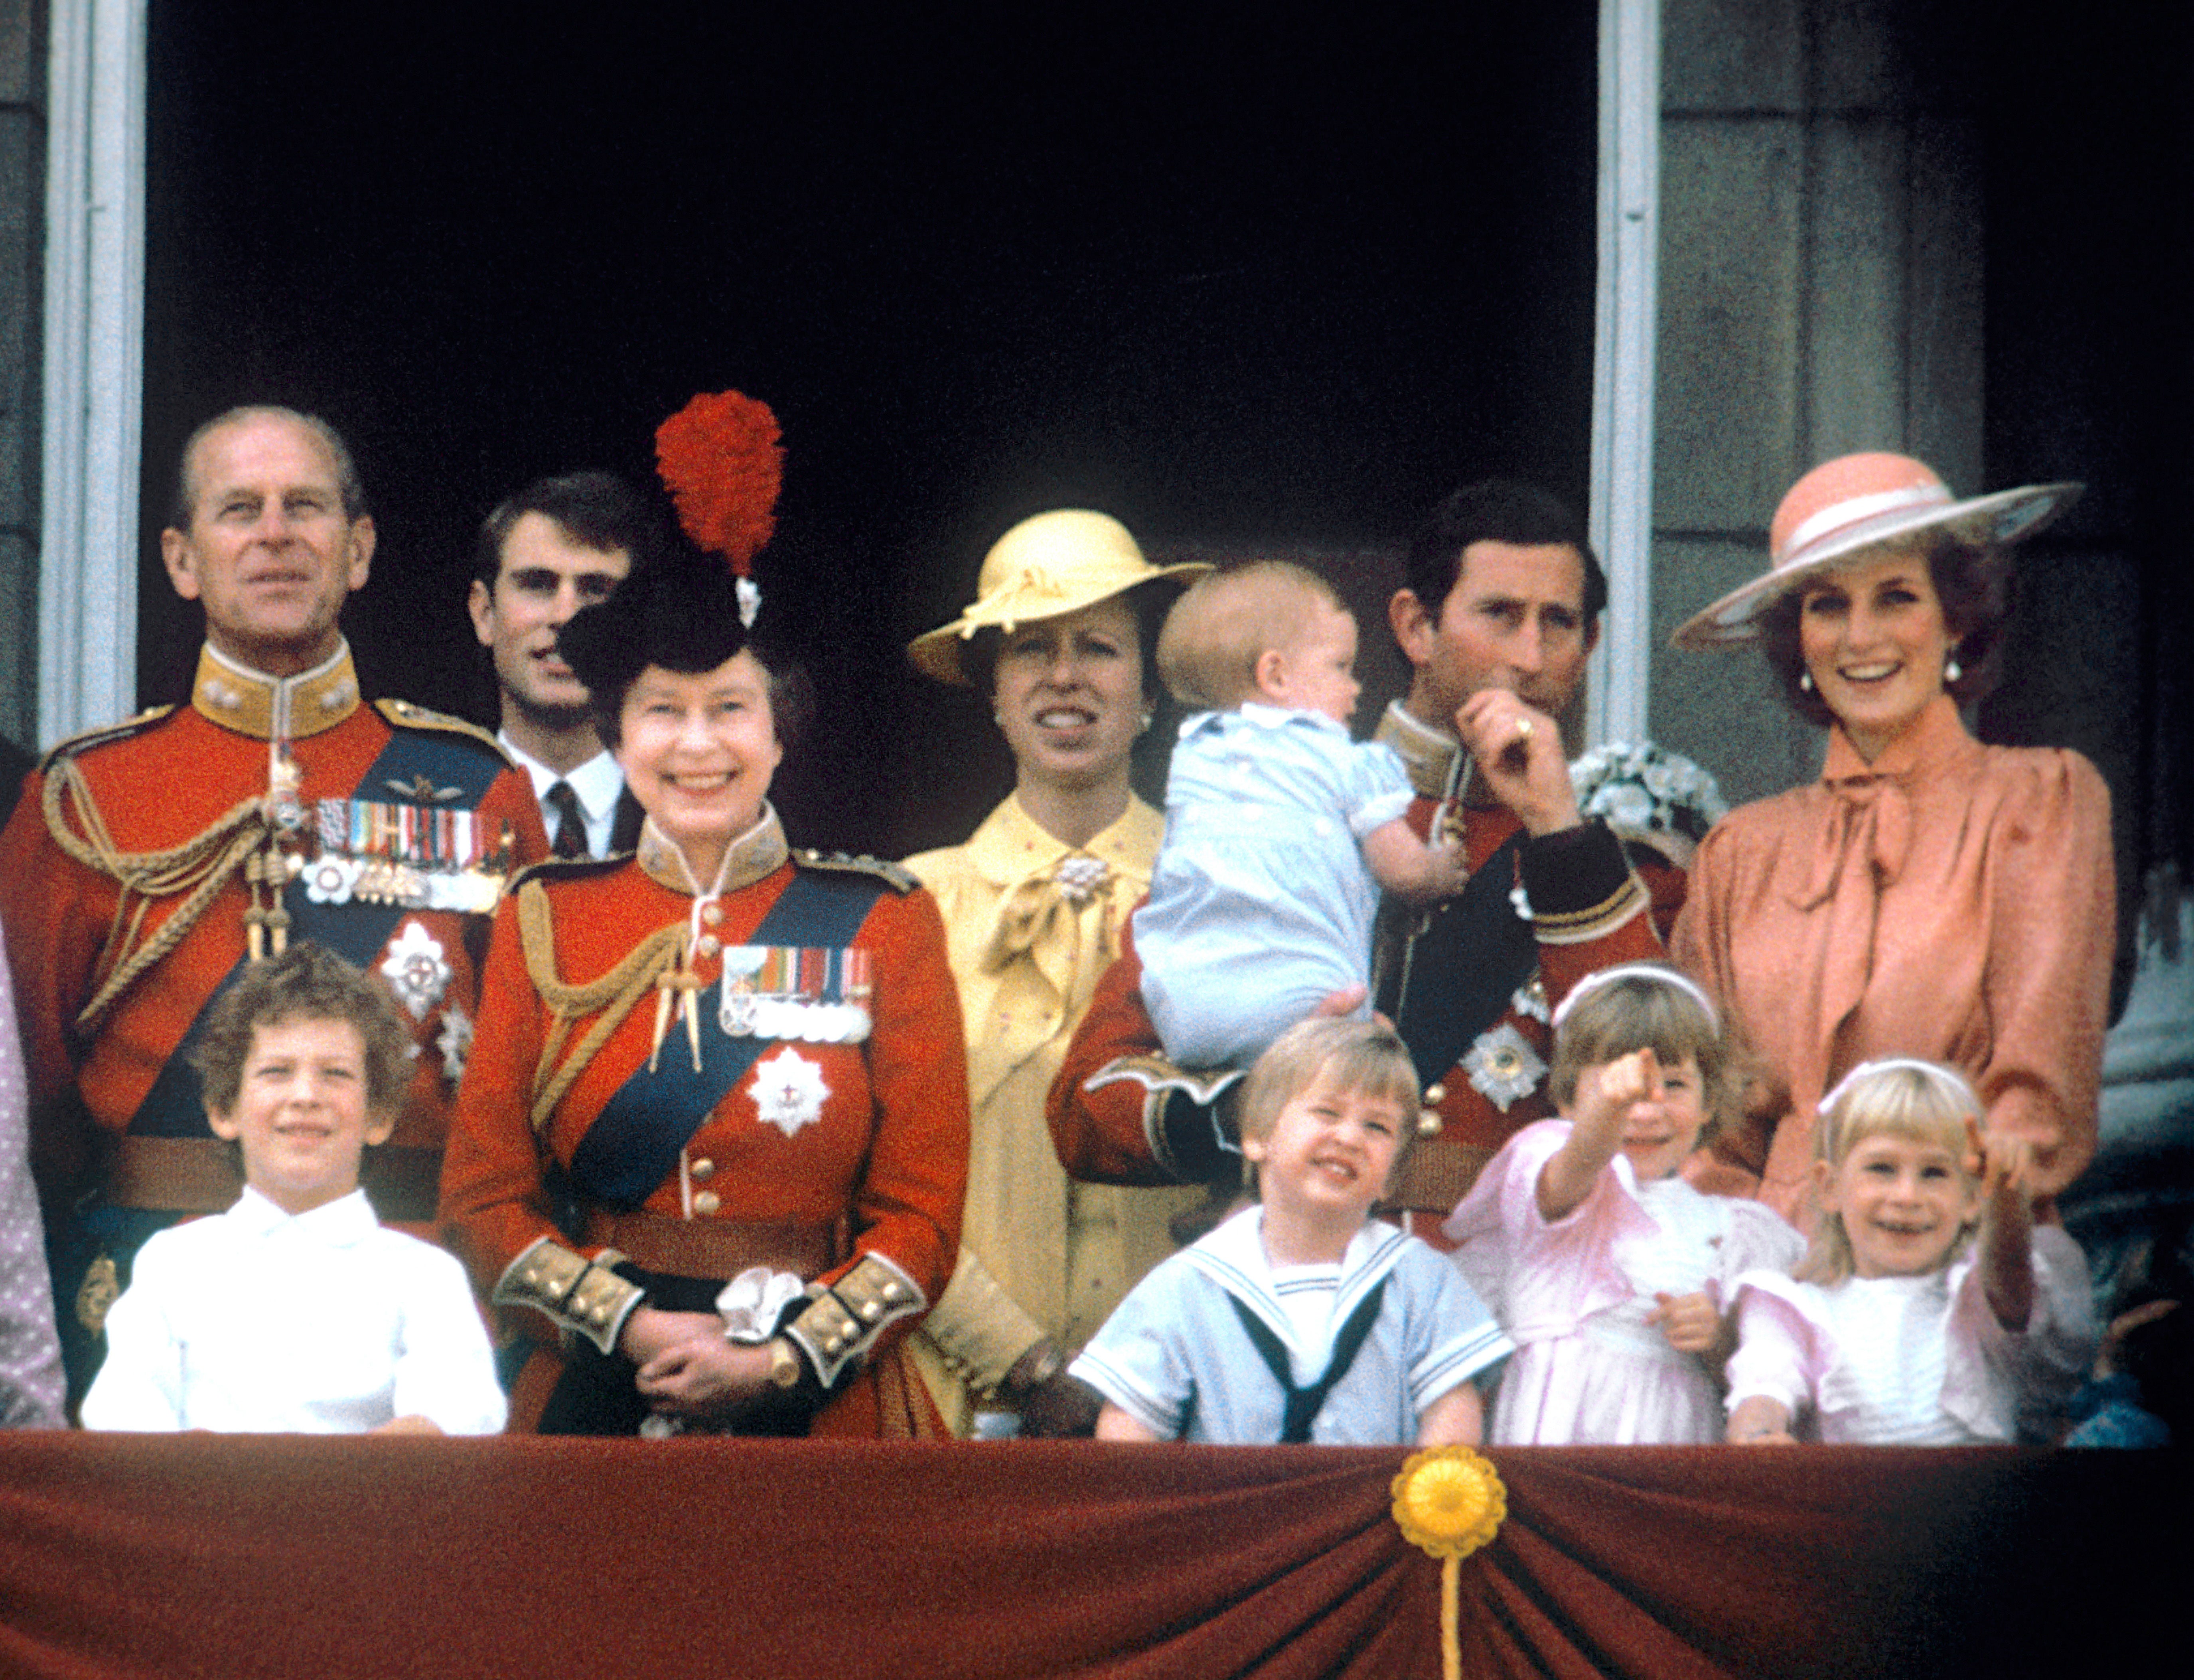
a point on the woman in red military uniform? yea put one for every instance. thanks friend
(714, 1128)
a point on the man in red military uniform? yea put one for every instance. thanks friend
(1499, 614)
(145, 862)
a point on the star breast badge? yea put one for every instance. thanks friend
(1503, 1066)
(789, 1091)
(416, 969)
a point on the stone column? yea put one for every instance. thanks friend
(22, 257)
(1820, 292)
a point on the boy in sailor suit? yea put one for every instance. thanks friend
(1302, 1319)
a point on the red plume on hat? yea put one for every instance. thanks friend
(720, 458)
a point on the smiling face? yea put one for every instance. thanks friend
(1318, 673)
(1329, 1154)
(698, 752)
(302, 1115)
(1068, 693)
(1660, 1131)
(543, 578)
(1514, 620)
(270, 552)
(1874, 640)
(1904, 1203)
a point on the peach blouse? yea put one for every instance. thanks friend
(1951, 901)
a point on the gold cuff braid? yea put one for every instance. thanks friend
(843, 1321)
(575, 1293)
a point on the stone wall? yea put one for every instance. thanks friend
(22, 266)
(1820, 292)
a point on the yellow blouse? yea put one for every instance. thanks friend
(1029, 924)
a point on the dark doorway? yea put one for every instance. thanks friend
(1260, 278)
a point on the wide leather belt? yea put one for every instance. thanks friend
(715, 1248)
(202, 1175)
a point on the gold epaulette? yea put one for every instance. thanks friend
(106, 732)
(404, 715)
(899, 878)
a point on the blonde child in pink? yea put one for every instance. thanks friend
(1610, 1273)
(1931, 1310)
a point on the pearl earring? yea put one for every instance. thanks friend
(1144, 727)
(1806, 681)
(1952, 670)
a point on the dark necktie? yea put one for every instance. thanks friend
(569, 840)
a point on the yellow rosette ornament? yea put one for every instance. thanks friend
(1448, 1502)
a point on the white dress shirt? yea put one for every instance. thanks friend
(597, 782)
(316, 1323)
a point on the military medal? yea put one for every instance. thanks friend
(422, 857)
(813, 993)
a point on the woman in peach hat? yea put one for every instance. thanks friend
(1928, 896)
(1059, 636)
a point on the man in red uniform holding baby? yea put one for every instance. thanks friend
(1499, 614)
(147, 862)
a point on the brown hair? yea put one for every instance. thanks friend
(1228, 620)
(1363, 1057)
(1923, 1103)
(305, 982)
(1976, 607)
(1636, 1011)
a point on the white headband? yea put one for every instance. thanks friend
(1952, 1080)
(1654, 971)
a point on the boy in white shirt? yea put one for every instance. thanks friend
(296, 1311)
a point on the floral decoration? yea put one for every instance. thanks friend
(1649, 791)
(1448, 1501)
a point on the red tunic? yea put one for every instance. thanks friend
(1591, 911)
(879, 1139)
(157, 787)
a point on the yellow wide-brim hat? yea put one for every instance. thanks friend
(1844, 507)
(1055, 563)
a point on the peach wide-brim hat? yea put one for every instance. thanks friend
(1055, 563)
(1844, 507)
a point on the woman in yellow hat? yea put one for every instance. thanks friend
(1927, 896)
(1059, 636)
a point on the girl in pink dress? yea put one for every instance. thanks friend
(1896, 1331)
(1610, 1274)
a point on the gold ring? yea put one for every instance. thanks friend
(1523, 729)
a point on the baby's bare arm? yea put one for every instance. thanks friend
(1407, 866)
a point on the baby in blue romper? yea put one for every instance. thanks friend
(1280, 830)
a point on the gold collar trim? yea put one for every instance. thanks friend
(757, 852)
(1428, 754)
(251, 703)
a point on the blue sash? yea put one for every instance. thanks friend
(635, 1141)
(175, 1105)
